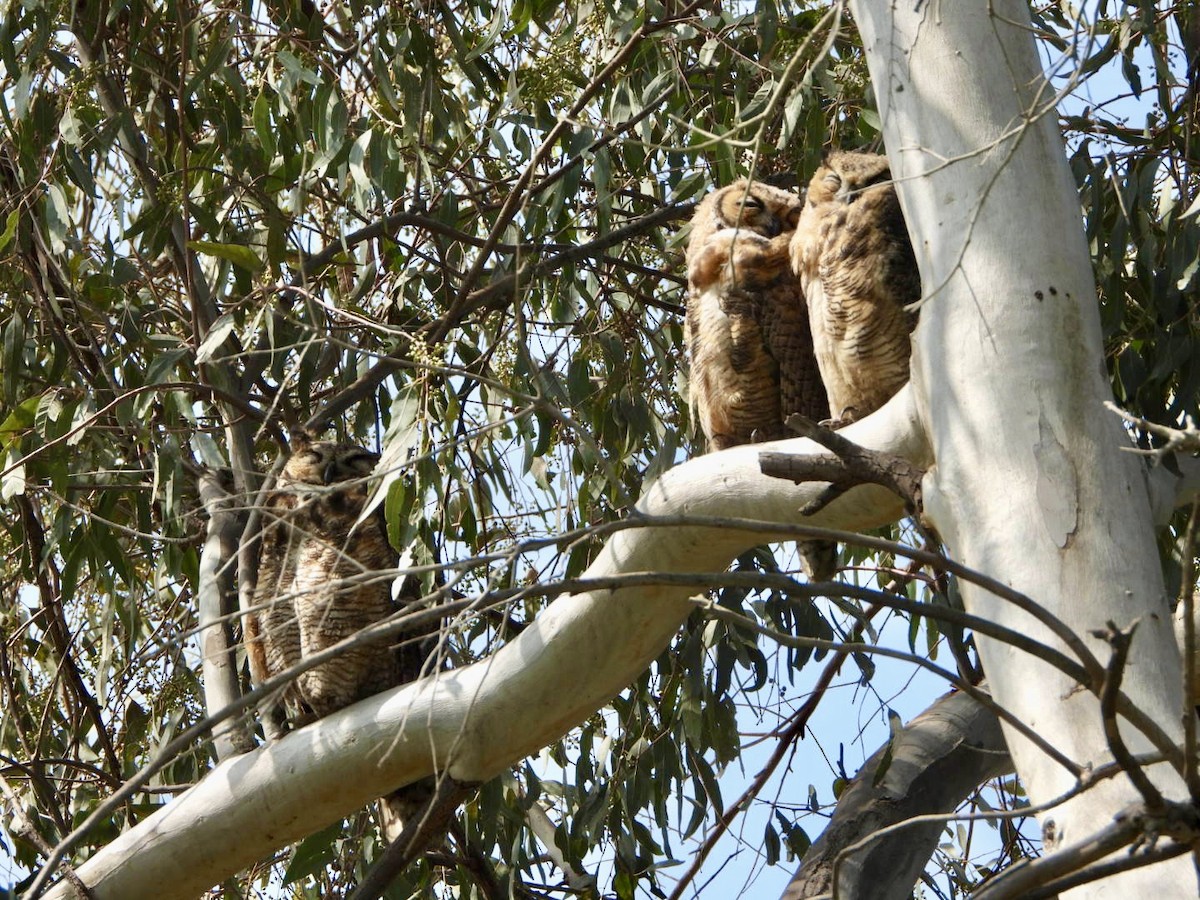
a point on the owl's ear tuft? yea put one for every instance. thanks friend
(301, 439)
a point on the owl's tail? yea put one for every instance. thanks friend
(413, 819)
(407, 805)
(819, 559)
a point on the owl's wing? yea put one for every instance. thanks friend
(788, 340)
(898, 261)
(866, 256)
(867, 274)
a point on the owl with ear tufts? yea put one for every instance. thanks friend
(752, 363)
(852, 254)
(324, 576)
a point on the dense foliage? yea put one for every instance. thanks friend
(453, 231)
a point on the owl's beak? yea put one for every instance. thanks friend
(845, 195)
(330, 473)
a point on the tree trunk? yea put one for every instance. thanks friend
(1030, 484)
(935, 762)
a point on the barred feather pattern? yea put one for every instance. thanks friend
(752, 362)
(323, 577)
(852, 253)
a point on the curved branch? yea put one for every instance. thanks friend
(475, 722)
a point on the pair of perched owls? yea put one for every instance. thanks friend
(798, 306)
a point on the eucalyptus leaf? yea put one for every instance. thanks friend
(238, 254)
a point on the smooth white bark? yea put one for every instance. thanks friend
(1030, 485)
(1170, 490)
(218, 664)
(481, 719)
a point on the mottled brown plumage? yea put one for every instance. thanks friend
(752, 364)
(324, 576)
(856, 264)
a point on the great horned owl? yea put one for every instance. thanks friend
(324, 576)
(752, 363)
(856, 264)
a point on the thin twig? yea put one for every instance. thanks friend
(1178, 440)
(25, 828)
(1120, 642)
(797, 722)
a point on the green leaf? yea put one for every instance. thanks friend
(771, 844)
(238, 254)
(213, 58)
(216, 336)
(10, 228)
(69, 127)
(22, 416)
(402, 437)
(162, 367)
(797, 840)
(12, 484)
(313, 854)
(79, 422)
(263, 128)
(58, 219)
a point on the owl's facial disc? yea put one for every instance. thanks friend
(753, 215)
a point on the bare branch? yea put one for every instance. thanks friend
(214, 592)
(932, 765)
(1178, 440)
(850, 465)
(1069, 866)
(494, 296)
(1120, 642)
(417, 837)
(475, 721)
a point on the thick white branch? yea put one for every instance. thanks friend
(1031, 484)
(1169, 489)
(481, 719)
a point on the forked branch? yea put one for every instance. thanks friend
(848, 466)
